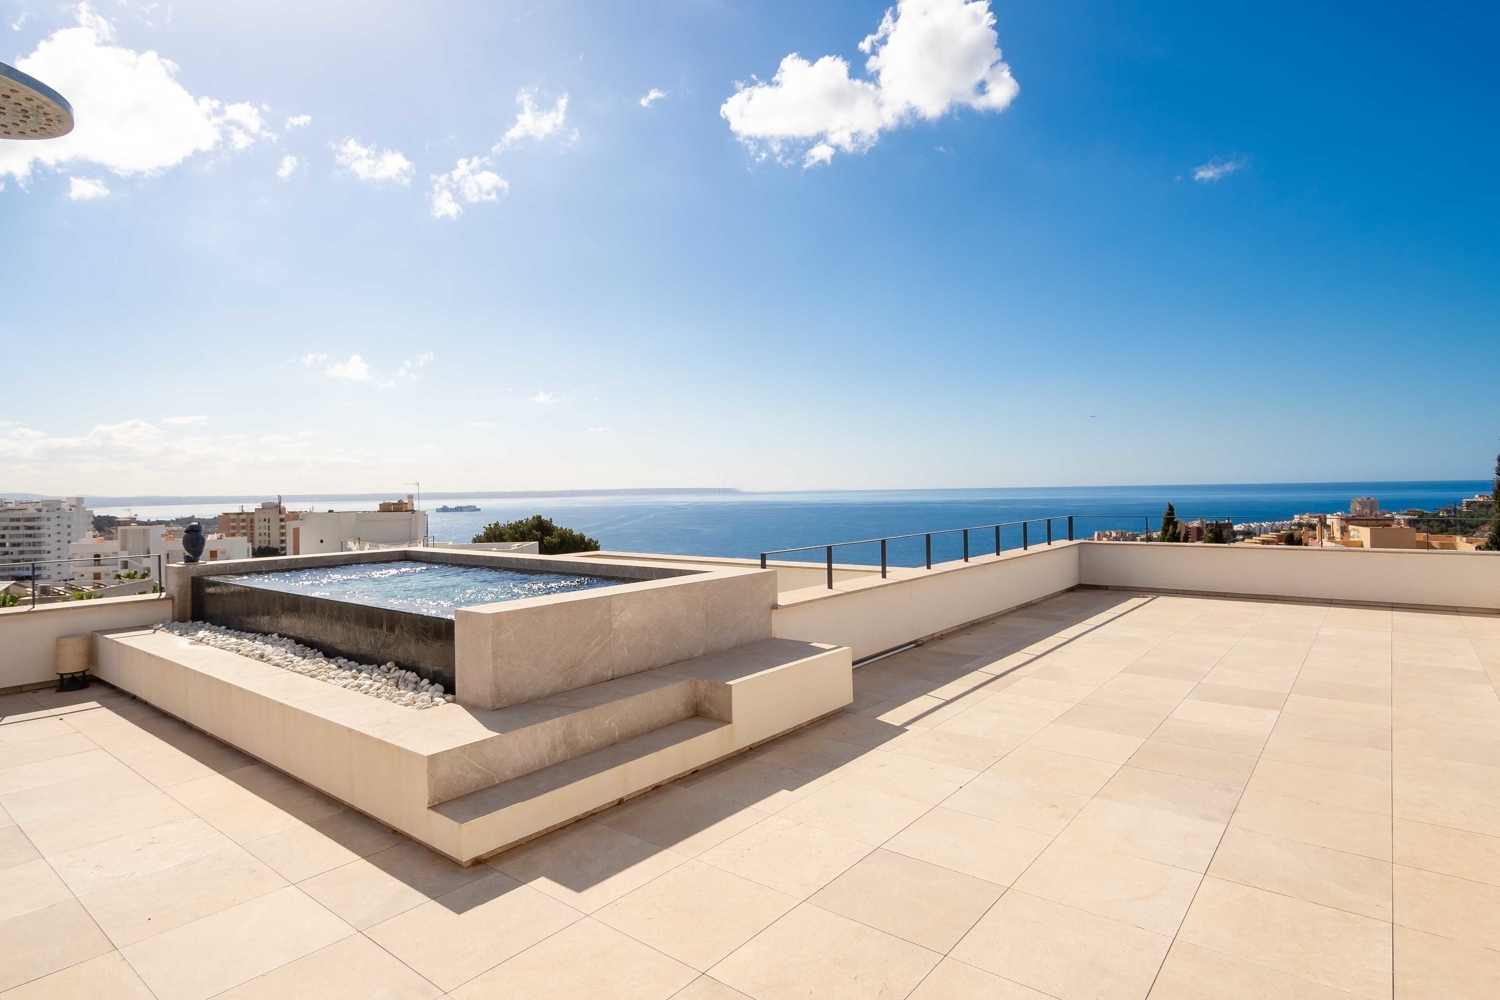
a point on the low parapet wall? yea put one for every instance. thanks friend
(28, 636)
(871, 615)
(1411, 578)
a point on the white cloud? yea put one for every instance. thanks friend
(927, 58)
(86, 189)
(131, 114)
(544, 397)
(297, 121)
(425, 359)
(598, 430)
(288, 166)
(371, 164)
(534, 124)
(353, 370)
(481, 423)
(192, 421)
(313, 359)
(1216, 169)
(469, 182)
(652, 96)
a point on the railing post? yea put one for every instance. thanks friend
(33, 586)
(882, 558)
(1070, 527)
(1025, 542)
(929, 550)
(1049, 531)
(762, 560)
(829, 551)
(997, 539)
(966, 545)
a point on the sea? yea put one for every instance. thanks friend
(743, 524)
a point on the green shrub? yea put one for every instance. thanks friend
(551, 539)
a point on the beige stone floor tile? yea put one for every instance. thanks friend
(1448, 744)
(696, 913)
(995, 726)
(1430, 967)
(460, 934)
(792, 858)
(30, 886)
(1125, 722)
(1316, 686)
(813, 952)
(59, 834)
(95, 866)
(15, 848)
(708, 988)
(46, 788)
(1205, 800)
(1451, 907)
(1168, 837)
(912, 777)
(1333, 947)
(585, 959)
(972, 845)
(306, 850)
(1304, 871)
(847, 727)
(1194, 762)
(972, 753)
(1042, 808)
(1245, 697)
(1194, 973)
(587, 865)
(1340, 828)
(814, 755)
(1092, 743)
(21, 719)
(1080, 874)
(373, 889)
(1448, 851)
(139, 908)
(684, 819)
(45, 748)
(1062, 951)
(922, 903)
(1060, 691)
(757, 784)
(1367, 761)
(1323, 785)
(233, 946)
(108, 976)
(1080, 775)
(1446, 792)
(354, 968)
(1209, 736)
(858, 810)
(953, 980)
(41, 942)
(1335, 730)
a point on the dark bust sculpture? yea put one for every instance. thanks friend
(192, 542)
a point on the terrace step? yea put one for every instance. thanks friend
(493, 819)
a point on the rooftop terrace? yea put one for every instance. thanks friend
(1104, 794)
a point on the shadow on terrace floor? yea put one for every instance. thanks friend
(915, 688)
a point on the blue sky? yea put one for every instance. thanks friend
(1137, 243)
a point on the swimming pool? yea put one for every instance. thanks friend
(424, 588)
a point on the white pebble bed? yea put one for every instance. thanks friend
(389, 682)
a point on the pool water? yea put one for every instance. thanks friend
(424, 588)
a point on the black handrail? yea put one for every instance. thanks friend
(121, 557)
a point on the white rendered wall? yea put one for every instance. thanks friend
(28, 636)
(872, 615)
(1375, 576)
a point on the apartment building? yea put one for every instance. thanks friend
(40, 531)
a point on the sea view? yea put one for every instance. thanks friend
(746, 524)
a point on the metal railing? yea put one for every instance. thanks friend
(926, 536)
(1236, 522)
(117, 562)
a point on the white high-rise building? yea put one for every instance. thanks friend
(40, 531)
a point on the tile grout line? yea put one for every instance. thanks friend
(1229, 822)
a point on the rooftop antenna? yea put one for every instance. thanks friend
(29, 109)
(419, 491)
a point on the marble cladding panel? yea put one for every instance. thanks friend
(508, 656)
